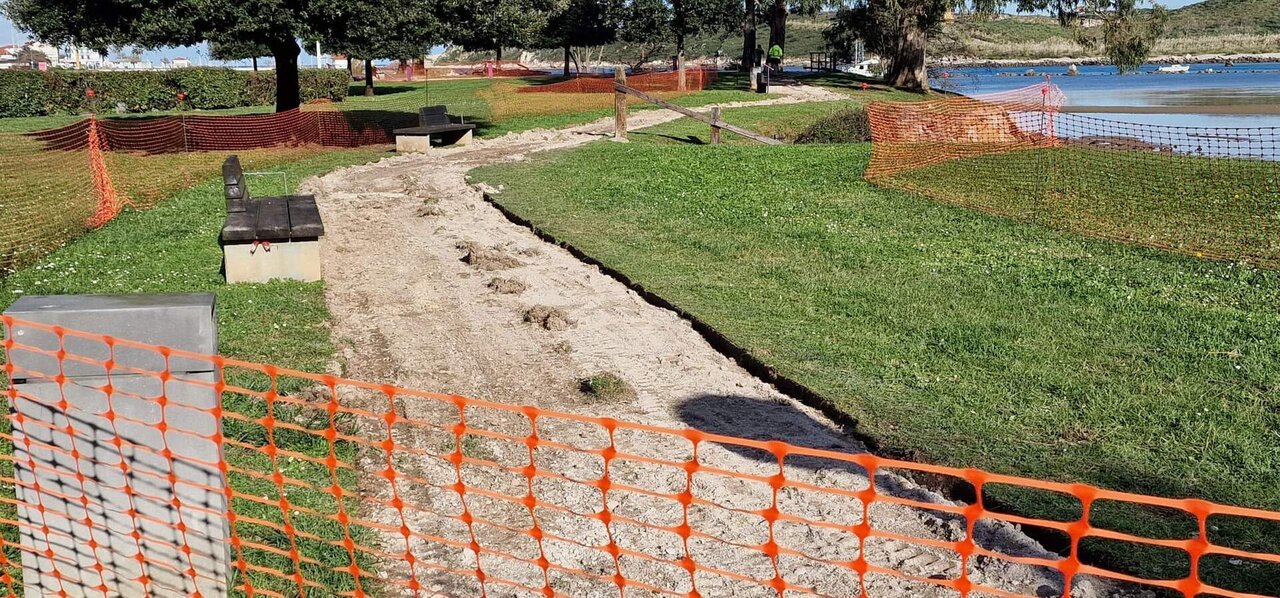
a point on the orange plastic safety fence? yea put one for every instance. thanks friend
(695, 80)
(1204, 191)
(341, 487)
(63, 181)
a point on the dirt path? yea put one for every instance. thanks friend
(409, 310)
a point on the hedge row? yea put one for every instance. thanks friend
(848, 125)
(63, 91)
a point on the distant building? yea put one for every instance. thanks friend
(340, 62)
(180, 63)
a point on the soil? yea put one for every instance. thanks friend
(408, 312)
(507, 286)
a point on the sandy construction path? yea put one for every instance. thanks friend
(408, 310)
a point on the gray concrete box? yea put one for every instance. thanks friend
(116, 508)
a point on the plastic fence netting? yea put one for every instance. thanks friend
(1211, 192)
(695, 80)
(334, 491)
(62, 182)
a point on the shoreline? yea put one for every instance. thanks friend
(965, 61)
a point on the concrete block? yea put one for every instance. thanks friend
(117, 504)
(407, 144)
(464, 139)
(291, 260)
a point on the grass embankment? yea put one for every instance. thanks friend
(950, 335)
(174, 248)
(1220, 208)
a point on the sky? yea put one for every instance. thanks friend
(200, 53)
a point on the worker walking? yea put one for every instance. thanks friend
(775, 57)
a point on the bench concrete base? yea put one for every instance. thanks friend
(422, 143)
(290, 260)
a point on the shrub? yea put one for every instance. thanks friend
(329, 84)
(314, 84)
(843, 126)
(24, 93)
(126, 91)
(210, 88)
(35, 93)
(261, 88)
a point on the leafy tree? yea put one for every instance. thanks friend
(750, 19)
(776, 15)
(1127, 34)
(99, 24)
(896, 30)
(377, 29)
(236, 50)
(645, 24)
(490, 25)
(691, 17)
(584, 23)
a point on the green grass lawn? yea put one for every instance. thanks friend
(1221, 208)
(952, 336)
(174, 248)
(498, 108)
(782, 121)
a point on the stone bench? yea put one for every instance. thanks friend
(433, 121)
(270, 237)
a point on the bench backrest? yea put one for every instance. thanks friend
(233, 185)
(432, 115)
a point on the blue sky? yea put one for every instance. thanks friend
(195, 53)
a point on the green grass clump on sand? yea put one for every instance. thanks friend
(951, 335)
(174, 248)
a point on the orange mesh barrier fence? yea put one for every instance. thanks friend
(61, 182)
(340, 487)
(505, 68)
(1210, 192)
(695, 80)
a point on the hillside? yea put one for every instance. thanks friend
(1209, 27)
(1215, 17)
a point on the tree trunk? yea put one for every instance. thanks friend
(567, 51)
(907, 69)
(368, 77)
(255, 64)
(749, 37)
(288, 95)
(778, 25)
(498, 53)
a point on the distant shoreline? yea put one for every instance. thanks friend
(959, 61)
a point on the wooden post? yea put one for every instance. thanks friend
(715, 125)
(619, 105)
(682, 82)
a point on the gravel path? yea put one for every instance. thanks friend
(431, 287)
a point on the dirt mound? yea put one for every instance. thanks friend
(551, 318)
(507, 286)
(487, 258)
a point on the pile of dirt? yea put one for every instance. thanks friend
(507, 286)
(550, 318)
(487, 258)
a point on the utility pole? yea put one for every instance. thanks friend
(318, 65)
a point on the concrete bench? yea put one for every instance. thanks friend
(433, 121)
(270, 237)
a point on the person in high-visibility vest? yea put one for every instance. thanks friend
(775, 57)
